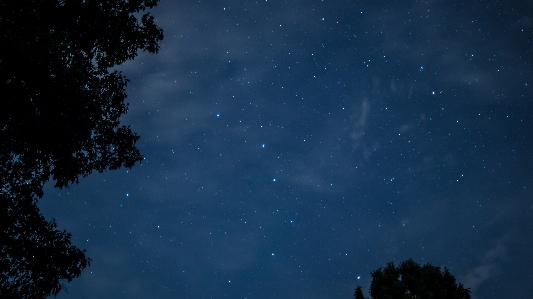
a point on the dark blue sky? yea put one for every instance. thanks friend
(292, 147)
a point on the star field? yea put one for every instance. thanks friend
(292, 147)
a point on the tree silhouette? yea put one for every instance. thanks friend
(358, 293)
(410, 280)
(34, 256)
(61, 104)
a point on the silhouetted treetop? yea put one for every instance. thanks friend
(60, 109)
(35, 257)
(410, 280)
(61, 105)
(358, 294)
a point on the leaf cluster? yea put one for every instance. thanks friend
(61, 104)
(60, 109)
(35, 257)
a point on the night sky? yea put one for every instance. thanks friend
(292, 147)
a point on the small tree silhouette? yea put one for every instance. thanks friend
(410, 280)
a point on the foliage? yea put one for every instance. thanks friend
(410, 280)
(34, 256)
(61, 104)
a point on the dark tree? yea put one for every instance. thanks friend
(358, 293)
(410, 280)
(61, 103)
(34, 256)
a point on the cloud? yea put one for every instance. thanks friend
(486, 269)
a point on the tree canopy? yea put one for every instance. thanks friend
(61, 103)
(34, 255)
(410, 280)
